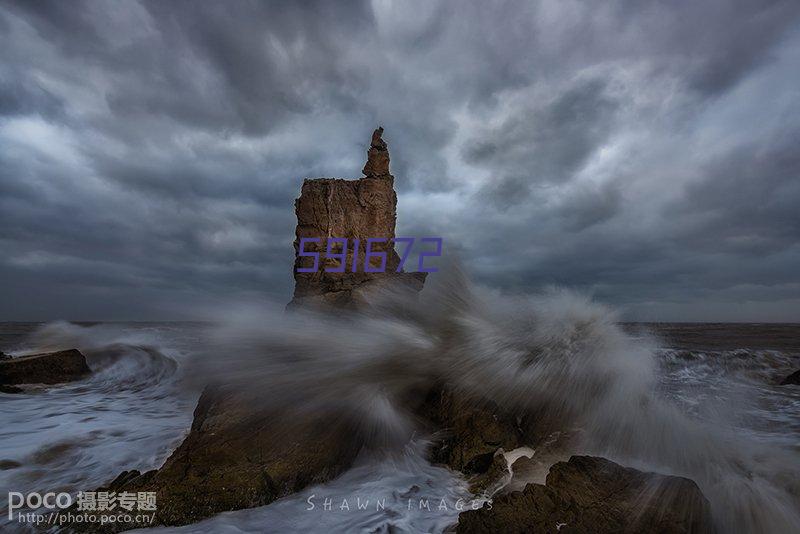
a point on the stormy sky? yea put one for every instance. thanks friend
(647, 152)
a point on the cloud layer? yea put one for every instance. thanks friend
(645, 152)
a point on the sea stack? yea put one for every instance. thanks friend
(356, 210)
(239, 454)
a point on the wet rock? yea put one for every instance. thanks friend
(471, 430)
(10, 389)
(535, 466)
(126, 481)
(130, 478)
(594, 495)
(793, 378)
(49, 368)
(238, 456)
(4, 356)
(360, 296)
(5, 465)
(494, 478)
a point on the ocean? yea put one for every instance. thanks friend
(137, 406)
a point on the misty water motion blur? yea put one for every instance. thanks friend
(557, 355)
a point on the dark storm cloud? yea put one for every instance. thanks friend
(17, 98)
(590, 205)
(546, 143)
(645, 152)
(747, 199)
(216, 65)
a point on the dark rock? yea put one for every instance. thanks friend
(594, 495)
(126, 481)
(130, 478)
(525, 467)
(5, 465)
(793, 378)
(472, 430)
(4, 356)
(10, 389)
(49, 368)
(493, 478)
(535, 467)
(237, 456)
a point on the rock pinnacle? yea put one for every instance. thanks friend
(377, 157)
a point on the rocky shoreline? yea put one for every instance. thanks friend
(238, 455)
(588, 494)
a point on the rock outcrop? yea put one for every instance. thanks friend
(594, 495)
(793, 378)
(377, 165)
(48, 368)
(239, 454)
(470, 430)
(356, 210)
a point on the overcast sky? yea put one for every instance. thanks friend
(647, 153)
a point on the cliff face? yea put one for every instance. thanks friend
(356, 210)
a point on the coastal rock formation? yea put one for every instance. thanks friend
(242, 452)
(471, 430)
(793, 378)
(236, 457)
(594, 495)
(48, 368)
(241, 455)
(356, 210)
(377, 165)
